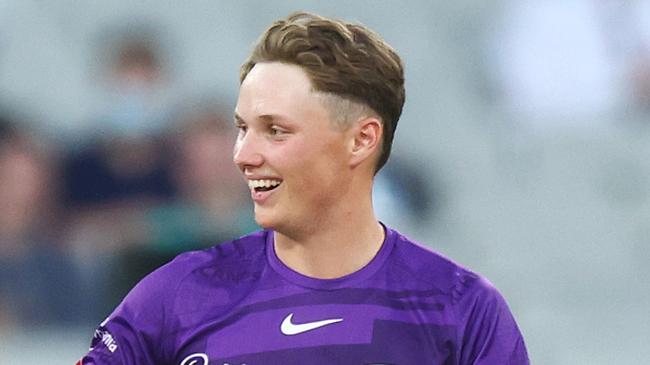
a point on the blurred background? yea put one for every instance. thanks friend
(523, 153)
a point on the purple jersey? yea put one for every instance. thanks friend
(237, 303)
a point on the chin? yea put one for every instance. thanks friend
(275, 222)
(266, 220)
(264, 224)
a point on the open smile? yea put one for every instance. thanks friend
(263, 185)
(262, 189)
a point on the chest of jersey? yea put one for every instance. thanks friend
(348, 326)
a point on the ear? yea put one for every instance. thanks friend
(367, 135)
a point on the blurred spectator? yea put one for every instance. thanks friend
(135, 83)
(212, 203)
(38, 281)
(208, 182)
(124, 160)
(122, 171)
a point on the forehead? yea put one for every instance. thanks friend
(276, 88)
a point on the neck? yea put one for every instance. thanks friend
(337, 246)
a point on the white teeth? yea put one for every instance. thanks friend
(263, 183)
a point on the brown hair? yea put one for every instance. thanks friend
(341, 59)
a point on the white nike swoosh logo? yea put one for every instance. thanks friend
(288, 328)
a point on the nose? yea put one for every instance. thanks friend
(246, 152)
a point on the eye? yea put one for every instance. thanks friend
(277, 131)
(241, 128)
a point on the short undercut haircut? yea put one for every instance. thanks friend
(348, 63)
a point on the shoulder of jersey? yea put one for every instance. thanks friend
(223, 257)
(245, 246)
(433, 269)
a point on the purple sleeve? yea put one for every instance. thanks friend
(134, 333)
(490, 334)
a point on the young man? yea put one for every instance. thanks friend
(325, 282)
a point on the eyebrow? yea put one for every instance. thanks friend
(265, 117)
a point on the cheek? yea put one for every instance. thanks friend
(319, 179)
(313, 167)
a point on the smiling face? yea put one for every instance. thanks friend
(295, 159)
